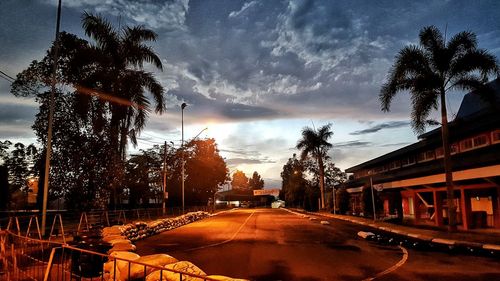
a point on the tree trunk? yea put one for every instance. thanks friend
(321, 181)
(447, 166)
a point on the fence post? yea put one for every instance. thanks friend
(49, 265)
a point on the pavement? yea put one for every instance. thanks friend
(488, 239)
(275, 244)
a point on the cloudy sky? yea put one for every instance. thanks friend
(256, 72)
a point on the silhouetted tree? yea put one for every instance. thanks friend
(4, 187)
(255, 182)
(315, 143)
(429, 71)
(239, 181)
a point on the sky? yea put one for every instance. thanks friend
(257, 72)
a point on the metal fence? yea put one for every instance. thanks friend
(24, 255)
(23, 258)
(70, 223)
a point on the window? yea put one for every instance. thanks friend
(426, 156)
(481, 141)
(466, 145)
(495, 136)
(439, 152)
(407, 161)
(395, 165)
(475, 142)
(454, 148)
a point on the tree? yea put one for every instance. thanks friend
(206, 170)
(120, 56)
(315, 143)
(255, 182)
(294, 184)
(240, 181)
(143, 177)
(431, 70)
(4, 188)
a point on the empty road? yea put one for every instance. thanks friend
(271, 244)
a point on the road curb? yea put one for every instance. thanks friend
(493, 248)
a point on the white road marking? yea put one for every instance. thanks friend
(392, 268)
(225, 241)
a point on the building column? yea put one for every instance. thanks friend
(416, 209)
(465, 209)
(438, 208)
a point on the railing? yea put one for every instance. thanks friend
(70, 263)
(25, 256)
(75, 222)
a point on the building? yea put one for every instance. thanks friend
(413, 176)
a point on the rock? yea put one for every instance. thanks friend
(325, 222)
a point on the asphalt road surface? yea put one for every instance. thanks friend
(274, 244)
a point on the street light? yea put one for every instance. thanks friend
(183, 105)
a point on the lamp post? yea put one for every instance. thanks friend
(183, 105)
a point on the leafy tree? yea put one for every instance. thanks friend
(143, 177)
(205, 169)
(102, 101)
(4, 187)
(255, 182)
(429, 71)
(315, 143)
(343, 200)
(293, 187)
(239, 181)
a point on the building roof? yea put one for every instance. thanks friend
(472, 109)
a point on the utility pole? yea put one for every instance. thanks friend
(50, 121)
(165, 179)
(373, 200)
(183, 105)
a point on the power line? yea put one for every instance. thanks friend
(6, 77)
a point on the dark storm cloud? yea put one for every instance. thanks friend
(240, 161)
(398, 144)
(350, 144)
(205, 107)
(382, 126)
(17, 113)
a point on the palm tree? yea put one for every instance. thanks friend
(315, 143)
(431, 70)
(120, 56)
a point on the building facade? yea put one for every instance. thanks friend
(412, 178)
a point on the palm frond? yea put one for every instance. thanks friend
(411, 62)
(100, 30)
(431, 38)
(478, 87)
(462, 42)
(475, 60)
(423, 103)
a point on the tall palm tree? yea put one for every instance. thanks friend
(431, 70)
(315, 143)
(120, 56)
